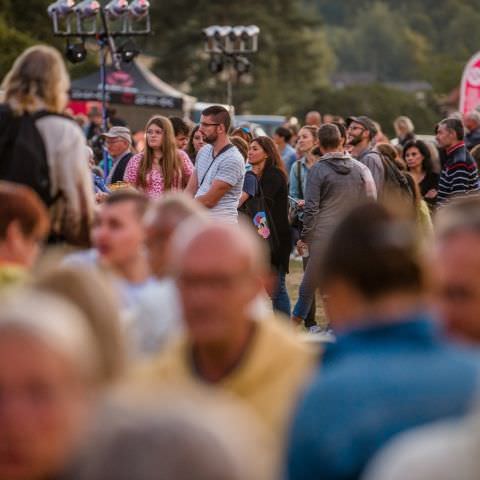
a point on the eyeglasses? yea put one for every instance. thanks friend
(114, 140)
(154, 132)
(203, 124)
(356, 127)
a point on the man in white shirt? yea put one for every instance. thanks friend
(219, 169)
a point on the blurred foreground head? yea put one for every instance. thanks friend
(24, 223)
(457, 265)
(48, 378)
(219, 270)
(91, 292)
(371, 266)
(162, 219)
(38, 79)
(163, 436)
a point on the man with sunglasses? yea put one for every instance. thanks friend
(219, 167)
(360, 136)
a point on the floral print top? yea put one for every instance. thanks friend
(155, 185)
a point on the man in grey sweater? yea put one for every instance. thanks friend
(334, 185)
(360, 134)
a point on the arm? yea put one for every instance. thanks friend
(312, 201)
(192, 185)
(218, 189)
(187, 168)
(293, 188)
(243, 198)
(131, 170)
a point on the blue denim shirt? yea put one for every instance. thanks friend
(374, 383)
(294, 191)
(289, 157)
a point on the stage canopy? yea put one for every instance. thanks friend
(133, 84)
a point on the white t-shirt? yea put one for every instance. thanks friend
(228, 167)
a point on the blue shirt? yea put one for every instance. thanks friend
(374, 383)
(289, 157)
(294, 190)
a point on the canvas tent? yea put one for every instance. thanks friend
(135, 92)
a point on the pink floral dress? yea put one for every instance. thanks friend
(155, 184)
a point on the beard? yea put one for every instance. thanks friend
(210, 139)
(353, 141)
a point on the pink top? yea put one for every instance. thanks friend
(155, 186)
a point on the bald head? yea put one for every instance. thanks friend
(313, 118)
(219, 270)
(218, 242)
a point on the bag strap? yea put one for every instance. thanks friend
(299, 179)
(223, 150)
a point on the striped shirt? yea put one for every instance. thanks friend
(228, 167)
(459, 175)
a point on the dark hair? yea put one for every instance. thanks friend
(455, 125)
(273, 156)
(20, 203)
(342, 129)
(129, 195)
(329, 136)
(284, 132)
(375, 251)
(427, 164)
(180, 127)
(241, 144)
(190, 148)
(221, 115)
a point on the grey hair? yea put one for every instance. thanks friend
(474, 115)
(460, 215)
(54, 322)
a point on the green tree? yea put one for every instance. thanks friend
(293, 57)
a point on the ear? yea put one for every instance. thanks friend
(14, 234)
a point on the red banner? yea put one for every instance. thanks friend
(470, 87)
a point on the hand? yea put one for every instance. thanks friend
(301, 247)
(300, 203)
(431, 193)
(100, 197)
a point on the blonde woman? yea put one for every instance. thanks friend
(38, 82)
(161, 166)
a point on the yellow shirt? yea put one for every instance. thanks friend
(269, 377)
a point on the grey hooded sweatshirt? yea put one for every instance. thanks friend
(334, 185)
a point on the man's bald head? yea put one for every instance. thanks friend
(221, 241)
(219, 271)
(313, 118)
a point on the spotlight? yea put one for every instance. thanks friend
(87, 9)
(138, 9)
(76, 52)
(242, 65)
(61, 8)
(128, 51)
(116, 9)
(215, 65)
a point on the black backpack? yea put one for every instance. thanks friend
(23, 158)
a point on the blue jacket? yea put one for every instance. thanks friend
(374, 383)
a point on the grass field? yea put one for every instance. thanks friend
(294, 279)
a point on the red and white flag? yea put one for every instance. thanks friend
(470, 86)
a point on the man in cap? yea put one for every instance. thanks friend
(119, 144)
(360, 134)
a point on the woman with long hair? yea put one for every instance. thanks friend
(161, 166)
(419, 163)
(272, 177)
(195, 143)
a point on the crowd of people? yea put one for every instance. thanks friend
(146, 327)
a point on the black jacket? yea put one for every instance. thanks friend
(120, 168)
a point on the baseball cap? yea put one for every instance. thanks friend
(365, 122)
(119, 132)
